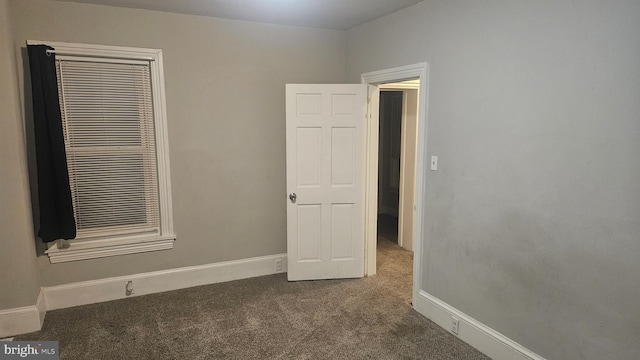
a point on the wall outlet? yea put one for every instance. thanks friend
(278, 265)
(128, 290)
(455, 322)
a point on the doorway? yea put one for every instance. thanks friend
(375, 81)
(397, 148)
(397, 144)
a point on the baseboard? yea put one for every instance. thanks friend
(22, 320)
(91, 292)
(471, 331)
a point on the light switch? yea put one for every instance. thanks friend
(434, 163)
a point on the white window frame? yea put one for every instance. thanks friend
(72, 250)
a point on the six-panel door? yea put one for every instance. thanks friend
(325, 170)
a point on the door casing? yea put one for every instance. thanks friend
(373, 80)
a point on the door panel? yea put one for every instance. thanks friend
(309, 232)
(342, 219)
(309, 156)
(343, 152)
(325, 170)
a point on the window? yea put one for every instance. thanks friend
(113, 115)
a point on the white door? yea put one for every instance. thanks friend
(325, 181)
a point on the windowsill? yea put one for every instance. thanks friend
(83, 250)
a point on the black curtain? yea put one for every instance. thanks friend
(54, 193)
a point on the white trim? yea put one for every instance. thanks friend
(420, 71)
(403, 167)
(471, 331)
(120, 245)
(28, 319)
(94, 249)
(95, 291)
(371, 181)
(108, 51)
(396, 74)
(22, 320)
(400, 86)
(162, 147)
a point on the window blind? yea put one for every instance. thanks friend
(108, 125)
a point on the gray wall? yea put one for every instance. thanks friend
(225, 101)
(533, 217)
(19, 281)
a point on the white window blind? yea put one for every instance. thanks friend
(108, 123)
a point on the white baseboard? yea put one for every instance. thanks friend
(22, 320)
(95, 291)
(471, 331)
(28, 319)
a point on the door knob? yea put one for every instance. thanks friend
(293, 197)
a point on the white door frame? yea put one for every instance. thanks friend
(375, 78)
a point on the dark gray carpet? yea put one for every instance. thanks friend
(262, 318)
(388, 228)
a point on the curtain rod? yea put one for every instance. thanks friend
(49, 52)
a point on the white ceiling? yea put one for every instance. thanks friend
(328, 14)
